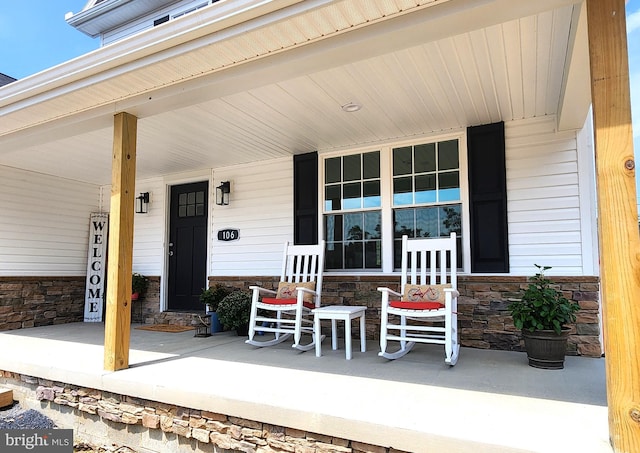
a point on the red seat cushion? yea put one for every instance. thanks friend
(416, 305)
(275, 301)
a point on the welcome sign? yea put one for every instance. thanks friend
(94, 295)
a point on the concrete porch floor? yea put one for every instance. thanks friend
(491, 401)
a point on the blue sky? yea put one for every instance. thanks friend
(34, 36)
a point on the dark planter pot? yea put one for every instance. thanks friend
(243, 331)
(545, 348)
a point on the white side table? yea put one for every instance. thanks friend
(342, 313)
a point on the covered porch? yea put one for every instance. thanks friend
(490, 402)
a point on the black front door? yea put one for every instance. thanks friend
(187, 245)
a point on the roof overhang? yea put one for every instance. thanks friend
(267, 79)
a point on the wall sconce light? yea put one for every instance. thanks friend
(222, 193)
(142, 203)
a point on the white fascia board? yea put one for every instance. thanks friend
(575, 94)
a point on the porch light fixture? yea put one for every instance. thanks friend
(351, 107)
(142, 203)
(222, 193)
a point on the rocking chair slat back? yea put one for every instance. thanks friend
(440, 252)
(303, 263)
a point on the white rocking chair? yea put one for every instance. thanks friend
(287, 311)
(421, 300)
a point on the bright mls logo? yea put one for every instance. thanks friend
(36, 440)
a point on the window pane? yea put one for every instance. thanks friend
(352, 167)
(373, 255)
(353, 227)
(425, 158)
(397, 253)
(182, 199)
(333, 228)
(332, 170)
(372, 228)
(200, 197)
(352, 196)
(403, 223)
(333, 255)
(191, 197)
(450, 220)
(182, 211)
(353, 255)
(332, 198)
(402, 191)
(371, 192)
(448, 155)
(449, 186)
(426, 188)
(402, 161)
(371, 165)
(191, 210)
(199, 209)
(433, 221)
(427, 222)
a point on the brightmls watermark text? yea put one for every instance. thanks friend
(36, 440)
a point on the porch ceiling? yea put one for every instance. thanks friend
(221, 87)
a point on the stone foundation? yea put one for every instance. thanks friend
(107, 418)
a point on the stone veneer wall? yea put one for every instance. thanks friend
(154, 426)
(483, 319)
(40, 301)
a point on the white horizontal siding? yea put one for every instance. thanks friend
(261, 207)
(44, 224)
(543, 198)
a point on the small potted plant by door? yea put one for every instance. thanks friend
(211, 298)
(542, 314)
(139, 285)
(234, 311)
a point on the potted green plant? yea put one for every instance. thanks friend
(211, 298)
(234, 311)
(139, 285)
(542, 314)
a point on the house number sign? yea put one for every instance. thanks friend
(229, 234)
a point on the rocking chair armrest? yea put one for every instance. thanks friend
(262, 290)
(306, 290)
(389, 291)
(454, 292)
(301, 295)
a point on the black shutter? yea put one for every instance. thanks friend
(488, 198)
(305, 198)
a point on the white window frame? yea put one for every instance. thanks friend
(386, 197)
